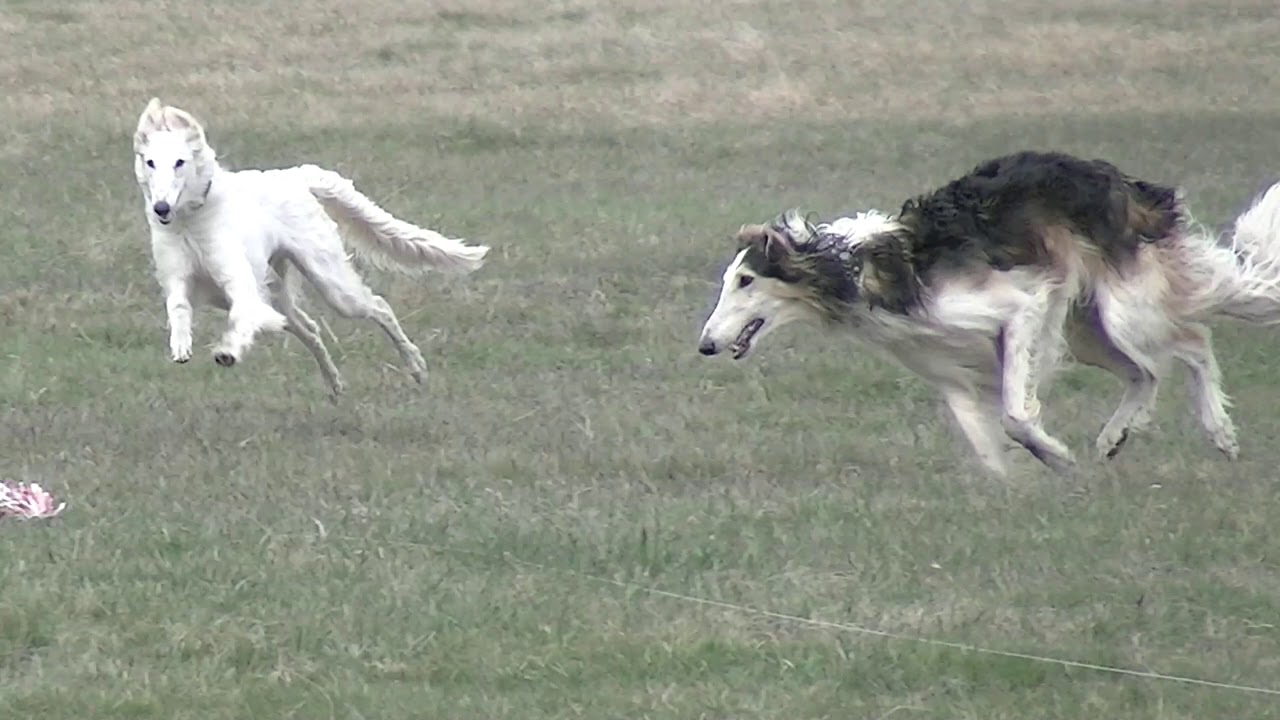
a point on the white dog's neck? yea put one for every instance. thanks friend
(210, 176)
(204, 195)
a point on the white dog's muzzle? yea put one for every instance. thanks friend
(163, 211)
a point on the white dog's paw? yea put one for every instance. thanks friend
(1111, 440)
(180, 350)
(224, 357)
(270, 320)
(417, 366)
(1224, 438)
(336, 390)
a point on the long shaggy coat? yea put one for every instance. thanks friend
(981, 286)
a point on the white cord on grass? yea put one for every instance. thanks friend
(845, 627)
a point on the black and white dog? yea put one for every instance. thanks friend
(980, 286)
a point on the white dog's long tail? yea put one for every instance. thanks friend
(383, 238)
(1237, 275)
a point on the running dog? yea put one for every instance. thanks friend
(980, 287)
(229, 239)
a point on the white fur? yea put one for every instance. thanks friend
(1146, 317)
(229, 239)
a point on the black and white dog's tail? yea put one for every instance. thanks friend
(381, 237)
(1236, 273)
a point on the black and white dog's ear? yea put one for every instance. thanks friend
(775, 245)
(749, 235)
(887, 278)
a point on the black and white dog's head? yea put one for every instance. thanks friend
(172, 162)
(791, 269)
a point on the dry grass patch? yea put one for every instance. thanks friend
(638, 64)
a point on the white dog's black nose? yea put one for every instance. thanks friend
(162, 209)
(708, 347)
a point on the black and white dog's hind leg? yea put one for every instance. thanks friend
(1142, 341)
(1133, 414)
(1193, 346)
(1091, 345)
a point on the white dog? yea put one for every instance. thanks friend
(228, 238)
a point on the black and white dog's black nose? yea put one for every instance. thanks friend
(708, 347)
(162, 209)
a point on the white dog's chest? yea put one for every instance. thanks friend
(207, 291)
(212, 261)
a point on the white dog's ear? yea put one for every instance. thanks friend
(181, 120)
(151, 120)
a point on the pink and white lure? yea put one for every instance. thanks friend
(20, 500)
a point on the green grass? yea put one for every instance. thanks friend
(235, 546)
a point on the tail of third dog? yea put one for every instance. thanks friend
(1237, 273)
(383, 238)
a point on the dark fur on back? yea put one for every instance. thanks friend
(998, 213)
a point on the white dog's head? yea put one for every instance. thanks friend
(793, 270)
(171, 159)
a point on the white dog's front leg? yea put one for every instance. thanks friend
(177, 305)
(248, 314)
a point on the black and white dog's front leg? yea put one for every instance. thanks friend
(973, 414)
(1031, 324)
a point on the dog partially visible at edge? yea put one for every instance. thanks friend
(229, 239)
(981, 287)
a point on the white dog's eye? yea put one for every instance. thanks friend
(178, 164)
(151, 164)
(745, 280)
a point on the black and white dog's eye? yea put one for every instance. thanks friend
(745, 280)
(151, 164)
(179, 164)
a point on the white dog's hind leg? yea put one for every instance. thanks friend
(1194, 348)
(343, 288)
(979, 427)
(305, 329)
(1020, 417)
(177, 304)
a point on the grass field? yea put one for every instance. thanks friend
(237, 547)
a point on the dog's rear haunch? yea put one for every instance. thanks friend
(982, 286)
